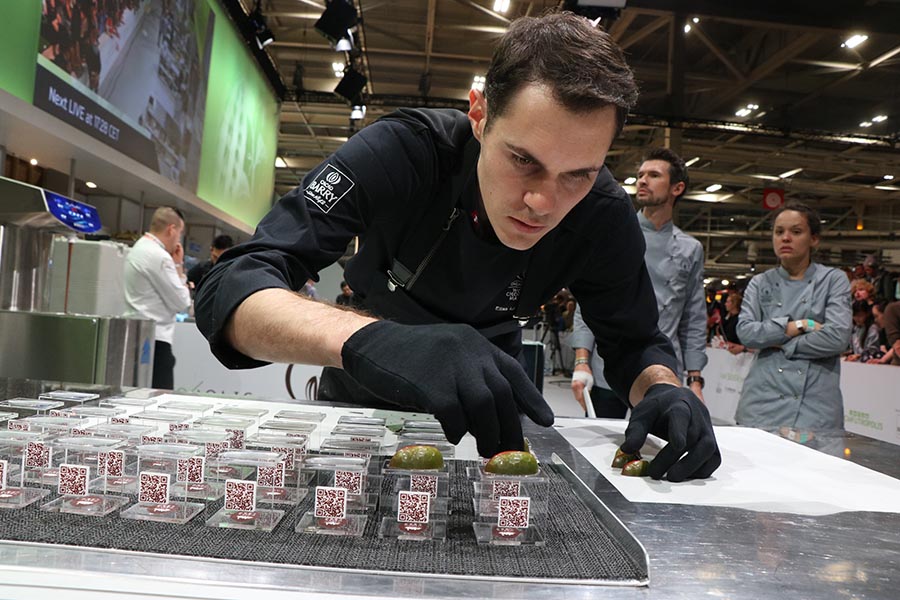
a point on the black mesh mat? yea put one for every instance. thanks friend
(577, 546)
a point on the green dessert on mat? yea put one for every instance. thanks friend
(513, 462)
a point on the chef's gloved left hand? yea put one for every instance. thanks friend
(676, 415)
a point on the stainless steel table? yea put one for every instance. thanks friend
(695, 551)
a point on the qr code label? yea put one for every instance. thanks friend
(73, 480)
(270, 476)
(424, 483)
(214, 449)
(190, 470)
(154, 488)
(331, 502)
(504, 488)
(77, 432)
(236, 438)
(111, 463)
(289, 454)
(151, 439)
(37, 454)
(514, 512)
(179, 427)
(18, 425)
(4, 471)
(413, 507)
(240, 495)
(352, 481)
(120, 420)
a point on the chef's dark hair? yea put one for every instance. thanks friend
(812, 215)
(581, 64)
(678, 171)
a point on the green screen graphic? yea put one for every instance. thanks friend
(19, 30)
(240, 135)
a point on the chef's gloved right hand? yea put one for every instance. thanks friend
(676, 415)
(453, 372)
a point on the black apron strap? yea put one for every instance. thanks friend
(423, 239)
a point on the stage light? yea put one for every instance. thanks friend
(264, 35)
(91, 184)
(714, 187)
(358, 113)
(339, 16)
(351, 86)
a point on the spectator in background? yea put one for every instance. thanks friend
(864, 338)
(891, 321)
(345, 298)
(729, 323)
(219, 245)
(887, 353)
(309, 289)
(156, 286)
(862, 290)
(798, 316)
(675, 262)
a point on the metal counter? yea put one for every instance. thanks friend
(694, 551)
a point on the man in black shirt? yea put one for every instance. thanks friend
(220, 244)
(468, 223)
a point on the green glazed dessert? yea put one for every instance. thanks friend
(513, 462)
(636, 468)
(416, 458)
(622, 459)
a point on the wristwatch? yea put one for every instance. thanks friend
(692, 379)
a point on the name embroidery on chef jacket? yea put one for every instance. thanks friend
(328, 187)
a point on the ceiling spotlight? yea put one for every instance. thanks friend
(279, 163)
(358, 112)
(725, 282)
(714, 187)
(338, 69)
(692, 161)
(339, 16)
(33, 162)
(866, 124)
(696, 20)
(631, 181)
(888, 177)
(351, 86)
(343, 45)
(687, 28)
(790, 173)
(501, 6)
(478, 83)
(743, 112)
(854, 41)
(879, 118)
(90, 184)
(264, 35)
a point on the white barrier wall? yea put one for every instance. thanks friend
(871, 393)
(198, 371)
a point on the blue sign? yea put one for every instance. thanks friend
(76, 215)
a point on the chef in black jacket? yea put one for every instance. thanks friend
(468, 223)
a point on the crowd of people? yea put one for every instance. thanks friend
(71, 31)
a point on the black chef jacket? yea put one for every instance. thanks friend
(380, 184)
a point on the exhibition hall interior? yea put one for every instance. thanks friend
(441, 298)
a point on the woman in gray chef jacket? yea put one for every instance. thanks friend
(798, 316)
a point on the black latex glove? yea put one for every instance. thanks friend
(676, 415)
(453, 372)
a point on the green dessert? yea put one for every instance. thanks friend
(622, 459)
(415, 458)
(513, 462)
(636, 468)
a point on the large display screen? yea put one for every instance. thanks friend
(79, 216)
(168, 83)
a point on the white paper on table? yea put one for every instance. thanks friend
(760, 471)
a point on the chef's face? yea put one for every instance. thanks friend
(538, 160)
(654, 185)
(791, 237)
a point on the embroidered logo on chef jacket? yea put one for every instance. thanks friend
(328, 187)
(512, 294)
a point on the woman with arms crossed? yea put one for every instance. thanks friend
(798, 316)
